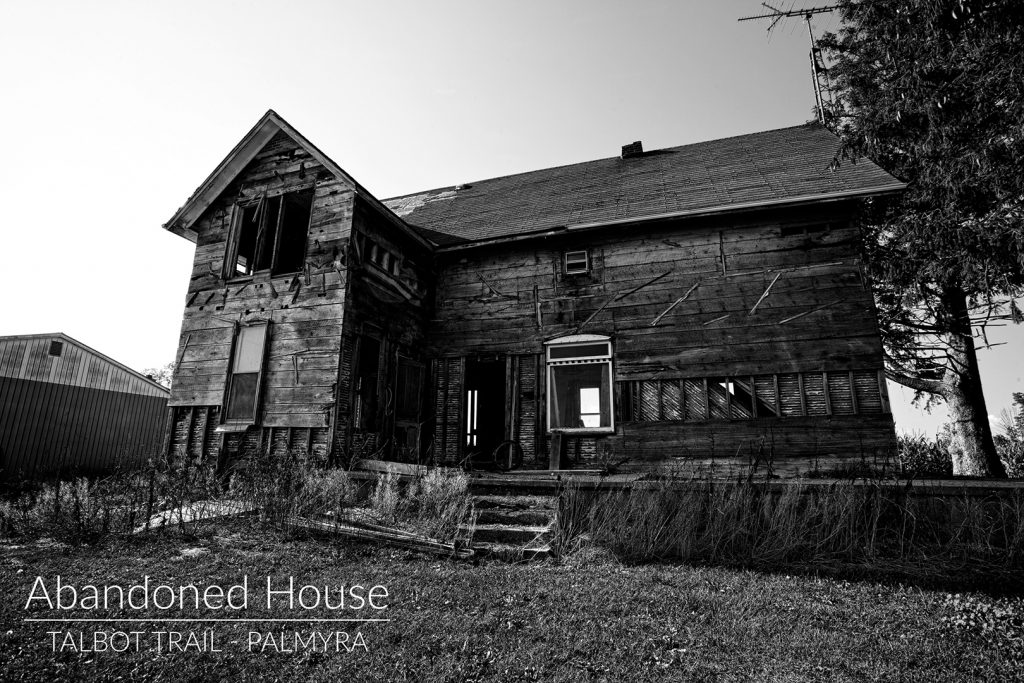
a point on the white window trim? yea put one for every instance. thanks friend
(598, 359)
(586, 261)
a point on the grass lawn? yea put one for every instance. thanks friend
(589, 618)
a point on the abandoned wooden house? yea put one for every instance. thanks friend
(65, 407)
(684, 307)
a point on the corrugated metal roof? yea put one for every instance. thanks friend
(768, 167)
(28, 357)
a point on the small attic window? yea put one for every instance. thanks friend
(56, 348)
(577, 262)
(270, 234)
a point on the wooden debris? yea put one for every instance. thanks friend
(639, 287)
(395, 537)
(384, 466)
(813, 310)
(765, 294)
(273, 291)
(675, 303)
(536, 306)
(184, 347)
(191, 298)
(496, 293)
(619, 297)
(721, 249)
(723, 317)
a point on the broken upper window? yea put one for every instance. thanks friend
(577, 262)
(246, 372)
(579, 384)
(270, 234)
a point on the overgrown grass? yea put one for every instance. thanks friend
(591, 619)
(187, 495)
(873, 525)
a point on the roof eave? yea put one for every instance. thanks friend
(882, 190)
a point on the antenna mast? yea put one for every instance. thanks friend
(819, 74)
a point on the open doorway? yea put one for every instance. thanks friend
(484, 427)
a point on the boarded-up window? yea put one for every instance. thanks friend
(840, 398)
(718, 398)
(869, 399)
(814, 393)
(367, 384)
(671, 400)
(743, 398)
(696, 401)
(246, 370)
(790, 395)
(764, 388)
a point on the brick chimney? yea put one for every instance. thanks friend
(633, 149)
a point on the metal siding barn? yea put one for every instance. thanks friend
(66, 407)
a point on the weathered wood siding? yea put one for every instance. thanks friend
(73, 410)
(681, 300)
(305, 310)
(389, 298)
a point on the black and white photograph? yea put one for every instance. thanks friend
(481, 340)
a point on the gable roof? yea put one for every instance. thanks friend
(787, 165)
(244, 152)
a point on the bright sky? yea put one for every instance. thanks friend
(114, 112)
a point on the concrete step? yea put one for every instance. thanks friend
(514, 534)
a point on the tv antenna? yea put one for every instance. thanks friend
(819, 74)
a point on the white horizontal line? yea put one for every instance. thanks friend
(215, 620)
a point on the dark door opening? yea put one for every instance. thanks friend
(484, 426)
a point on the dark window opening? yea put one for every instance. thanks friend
(367, 384)
(271, 234)
(56, 348)
(296, 210)
(407, 390)
(484, 413)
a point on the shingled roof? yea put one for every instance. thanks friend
(772, 167)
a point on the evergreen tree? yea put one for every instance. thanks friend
(931, 90)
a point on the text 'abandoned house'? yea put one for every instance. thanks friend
(680, 308)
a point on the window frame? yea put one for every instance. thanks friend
(586, 262)
(230, 379)
(604, 359)
(230, 266)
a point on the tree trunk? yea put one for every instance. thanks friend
(974, 451)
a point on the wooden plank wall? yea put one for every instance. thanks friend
(777, 292)
(390, 300)
(306, 309)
